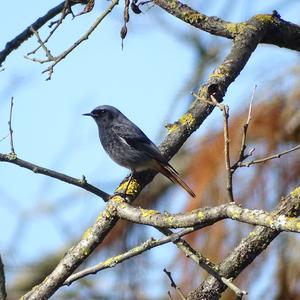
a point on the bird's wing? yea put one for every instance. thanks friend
(137, 139)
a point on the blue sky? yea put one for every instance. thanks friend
(48, 127)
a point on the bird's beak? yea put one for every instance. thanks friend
(88, 114)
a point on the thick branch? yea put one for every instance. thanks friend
(249, 248)
(193, 17)
(205, 216)
(278, 32)
(93, 236)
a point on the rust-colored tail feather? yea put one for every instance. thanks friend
(172, 174)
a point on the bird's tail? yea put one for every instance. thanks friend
(172, 174)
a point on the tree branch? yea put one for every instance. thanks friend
(84, 37)
(204, 217)
(265, 159)
(2, 281)
(249, 248)
(173, 285)
(225, 112)
(12, 158)
(242, 155)
(277, 31)
(27, 33)
(202, 261)
(113, 261)
(12, 148)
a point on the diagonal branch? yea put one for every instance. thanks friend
(202, 261)
(278, 31)
(12, 158)
(113, 261)
(249, 248)
(174, 285)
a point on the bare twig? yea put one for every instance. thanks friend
(51, 173)
(202, 261)
(265, 159)
(2, 281)
(42, 44)
(5, 137)
(113, 261)
(27, 33)
(12, 149)
(173, 285)
(229, 187)
(242, 155)
(84, 37)
(65, 11)
(225, 110)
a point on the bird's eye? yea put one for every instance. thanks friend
(99, 112)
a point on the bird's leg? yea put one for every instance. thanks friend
(131, 175)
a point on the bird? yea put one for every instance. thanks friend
(128, 145)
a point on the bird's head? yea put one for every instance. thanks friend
(104, 114)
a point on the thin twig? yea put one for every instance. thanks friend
(2, 281)
(263, 160)
(245, 129)
(54, 174)
(12, 149)
(5, 137)
(173, 285)
(202, 261)
(242, 155)
(113, 261)
(42, 44)
(84, 37)
(225, 110)
(229, 171)
(65, 11)
(27, 33)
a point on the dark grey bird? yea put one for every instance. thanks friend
(128, 145)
